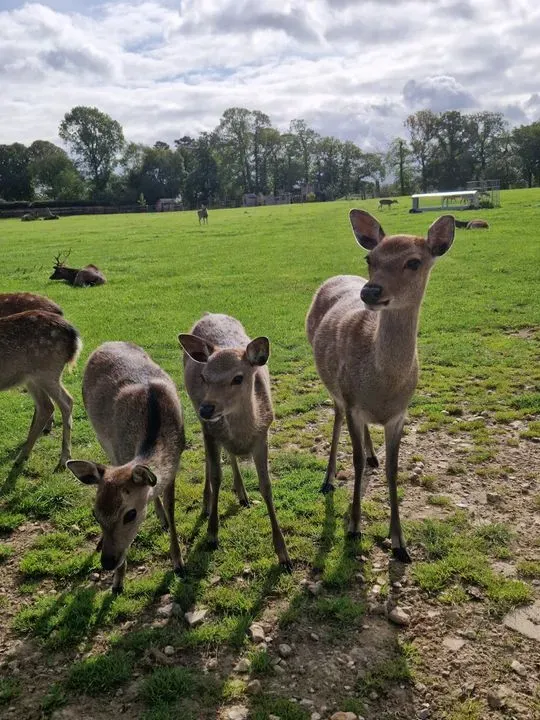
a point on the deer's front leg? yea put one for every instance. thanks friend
(213, 459)
(118, 579)
(392, 438)
(356, 431)
(328, 484)
(260, 457)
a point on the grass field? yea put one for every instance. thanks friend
(473, 434)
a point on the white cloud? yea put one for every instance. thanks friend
(351, 69)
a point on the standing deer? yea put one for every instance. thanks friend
(384, 202)
(203, 215)
(136, 414)
(11, 303)
(363, 335)
(78, 277)
(228, 383)
(35, 347)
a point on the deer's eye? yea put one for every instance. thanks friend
(130, 516)
(413, 264)
(237, 380)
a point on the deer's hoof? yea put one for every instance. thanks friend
(244, 502)
(401, 554)
(372, 461)
(354, 535)
(117, 589)
(286, 565)
(212, 543)
(327, 487)
(180, 571)
(61, 466)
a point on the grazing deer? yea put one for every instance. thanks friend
(11, 303)
(78, 277)
(363, 335)
(228, 383)
(136, 414)
(477, 225)
(203, 215)
(384, 202)
(35, 346)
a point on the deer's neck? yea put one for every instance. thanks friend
(395, 340)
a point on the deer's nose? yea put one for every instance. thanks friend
(206, 410)
(371, 294)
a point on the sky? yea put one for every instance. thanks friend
(351, 68)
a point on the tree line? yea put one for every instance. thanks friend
(246, 154)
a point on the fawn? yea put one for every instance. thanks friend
(203, 215)
(228, 382)
(35, 346)
(363, 335)
(136, 414)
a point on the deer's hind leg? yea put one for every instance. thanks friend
(43, 412)
(58, 393)
(371, 457)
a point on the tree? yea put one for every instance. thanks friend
(307, 139)
(421, 127)
(96, 140)
(15, 177)
(453, 158)
(202, 181)
(234, 139)
(161, 174)
(487, 132)
(398, 160)
(527, 145)
(54, 174)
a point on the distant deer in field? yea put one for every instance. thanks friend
(203, 215)
(35, 346)
(228, 383)
(472, 224)
(78, 277)
(384, 202)
(11, 303)
(363, 335)
(136, 414)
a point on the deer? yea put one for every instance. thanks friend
(228, 383)
(12, 303)
(203, 215)
(363, 335)
(35, 347)
(472, 224)
(78, 277)
(385, 202)
(133, 406)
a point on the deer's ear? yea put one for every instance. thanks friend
(367, 230)
(88, 472)
(197, 348)
(142, 475)
(441, 235)
(258, 351)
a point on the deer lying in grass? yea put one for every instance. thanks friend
(229, 385)
(472, 224)
(35, 347)
(384, 202)
(78, 277)
(363, 335)
(136, 414)
(203, 215)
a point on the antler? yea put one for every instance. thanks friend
(58, 262)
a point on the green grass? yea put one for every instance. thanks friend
(9, 690)
(262, 266)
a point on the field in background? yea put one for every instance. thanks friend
(470, 486)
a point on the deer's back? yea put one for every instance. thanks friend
(35, 344)
(11, 303)
(132, 403)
